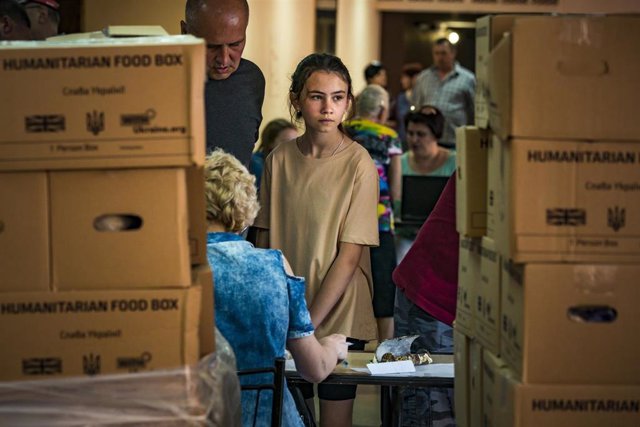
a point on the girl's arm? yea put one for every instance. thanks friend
(335, 282)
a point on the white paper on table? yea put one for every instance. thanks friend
(399, 367)
(441, 370)
(438, 370)
(289, 365)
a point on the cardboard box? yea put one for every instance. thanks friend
(119, 229)
(495, 175)
(468, 278)
(24, 231)
(491, 364)
(475, 383)
(468, 355)
(197, 208)
(489, 31)
(568, 201)
(59, 334)
(487, 312)
(571, 323)
(461, 377)
(202, 276)
(102, 103)
(471, 185)
(114, 31)
(529, 405)
(134, 31)
(567, 78)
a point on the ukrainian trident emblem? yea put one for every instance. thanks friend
(616, 217)
(95, 122)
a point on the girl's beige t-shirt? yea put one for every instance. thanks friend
(311, 205)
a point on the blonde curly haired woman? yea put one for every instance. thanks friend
(260, 306)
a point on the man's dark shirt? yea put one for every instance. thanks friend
(233, 109)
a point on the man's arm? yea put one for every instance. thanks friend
(470, 97)
(418, 95)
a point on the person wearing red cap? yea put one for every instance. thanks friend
(14, 22)
(44, 16)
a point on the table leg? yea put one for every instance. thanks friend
(386, 406)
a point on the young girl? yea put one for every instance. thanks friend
(319, 206)
(275, 132)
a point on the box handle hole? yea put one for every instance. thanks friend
(117, 222)
(592, 314)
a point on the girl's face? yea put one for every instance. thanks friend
(420, 139)
(323, 101)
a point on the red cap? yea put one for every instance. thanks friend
(53, 4)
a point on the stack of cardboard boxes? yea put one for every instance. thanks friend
(103, 264)
(547, 304)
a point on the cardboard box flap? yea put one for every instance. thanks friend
(97, 39)
(24, 232)
(77, 36)
(202, 276)
(489, 31)
(567, 77)
(134, 31)
(500, 87)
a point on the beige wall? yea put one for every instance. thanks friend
(280, 33)
(471, 6)
(100, 13)
(358, 37)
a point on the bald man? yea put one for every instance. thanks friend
(234, 91)
(44, 16)
(14, 21)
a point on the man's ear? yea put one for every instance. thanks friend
(183, 27)
(5, 25)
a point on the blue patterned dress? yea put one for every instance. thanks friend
(258, 307)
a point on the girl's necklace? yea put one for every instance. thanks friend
(335, 150)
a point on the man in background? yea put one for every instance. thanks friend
(44, 16)
(14, 22)
(448, 86)
(234, 91)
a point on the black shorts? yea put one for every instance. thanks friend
(329, 391)
(383, 262)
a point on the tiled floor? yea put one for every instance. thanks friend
(366, 411)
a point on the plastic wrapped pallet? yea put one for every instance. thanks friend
(204, 395)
